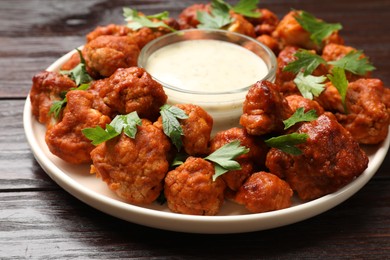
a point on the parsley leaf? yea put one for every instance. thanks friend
(126, 123)
(218, 18)
(307, 62)
(137, 21)
(309, 85)
(318, 29)
(79, 73)
(171, 126)
(300, 116)
(353, 62)
(58, 105)
(287, 142)
(223, 158)
(247, 8)
(340, 82)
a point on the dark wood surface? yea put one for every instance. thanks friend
(38, 219)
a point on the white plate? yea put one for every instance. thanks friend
(232, 219)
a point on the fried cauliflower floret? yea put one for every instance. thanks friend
(297, 101)
(105, 54)
(367, 118)
(264, 192)
(290, 32)
(111, 29)
(250, 161)
(266, 23)
(134, 168)
(270, 42)
(133, 89)
(196, 129)
(330, 159)
(241, 25)
(65, 138)
(264, 109)
(190, 189)
(47, 87)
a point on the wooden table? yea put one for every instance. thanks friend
(38, 219)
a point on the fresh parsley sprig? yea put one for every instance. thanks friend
(171, 125)
(223, 158)
(126, 123)
(247, 8)
(354, 62)
(79, 73)
(319, 30)
(310, 86)
(306, 62)
(340, 82)
(137, 21)
(286, 143)
(300, 116)
(219, 15)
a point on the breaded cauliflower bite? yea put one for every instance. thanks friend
(264, 192)
(65, 139)
(248, 162)
(264, 109)
(134, 168)
(105, 54)
(47, 87)
(330, 159)
(190, 189)
(133, 89)
(367, 118)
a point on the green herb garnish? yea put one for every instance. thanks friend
(318, 29)
(307, 62)
(223, 158)
(218, 17)
(126, 123)
(287, 142)
(353, 62)
(340, 82)
(309, 85)
(300, 116)
(137, 21)
(58, 105)
(171, 125)
(247, 8)
(79, 73)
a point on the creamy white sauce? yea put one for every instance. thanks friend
(206, 65)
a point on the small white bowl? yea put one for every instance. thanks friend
(224, 106)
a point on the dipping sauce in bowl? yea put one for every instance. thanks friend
(210, 68)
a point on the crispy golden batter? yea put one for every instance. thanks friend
(65, 138)
(297, 101)
(46, 88)
(134, 168)
(190, 189)
(330, 159)
(133, 89)
(250, 161)
(264, 109)
(368, 115)
(105, 54)
(264, 192)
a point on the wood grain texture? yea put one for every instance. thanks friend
(39, 220)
